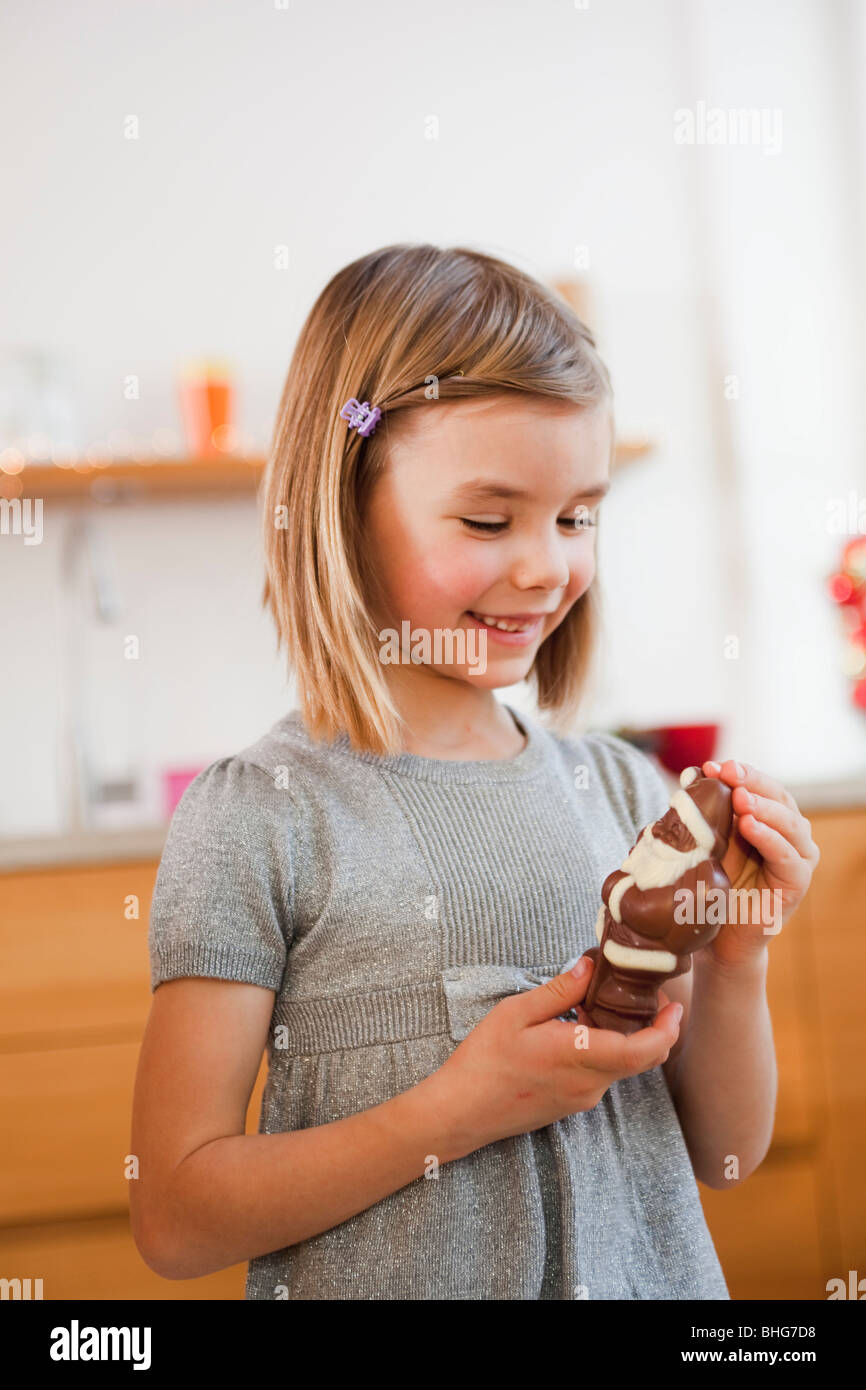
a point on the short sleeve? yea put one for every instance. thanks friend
(222, 900)
(633, 780)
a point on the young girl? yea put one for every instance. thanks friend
(388, 890)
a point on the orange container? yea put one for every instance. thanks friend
(207, 398)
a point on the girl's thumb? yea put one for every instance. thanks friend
(559, 994)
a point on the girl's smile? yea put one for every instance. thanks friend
(525, 633)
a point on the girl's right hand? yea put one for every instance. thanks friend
(522, 1067)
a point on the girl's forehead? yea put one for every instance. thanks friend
(478, 462)
(501, 412)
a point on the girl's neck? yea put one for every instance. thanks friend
(460, 731)
(506, 743)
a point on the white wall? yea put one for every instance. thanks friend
(305, 126)
(784, 258)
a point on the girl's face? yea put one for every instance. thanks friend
(527, 558)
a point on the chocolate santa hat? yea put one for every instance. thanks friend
(704, 806)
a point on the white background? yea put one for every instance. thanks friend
(304, 126)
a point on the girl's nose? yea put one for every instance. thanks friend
(540, 566)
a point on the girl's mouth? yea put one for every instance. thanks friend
(519, 635)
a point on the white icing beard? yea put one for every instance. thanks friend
(652, 864)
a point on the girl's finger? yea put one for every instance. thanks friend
(616, 1055)
(779, 855)
(753, 780)
(558, 995)
(790, 824)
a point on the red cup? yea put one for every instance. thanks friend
(683, 745)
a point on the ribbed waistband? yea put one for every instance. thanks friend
(452, 1004)
(357, 1020)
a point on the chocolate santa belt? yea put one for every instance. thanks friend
(634, 957)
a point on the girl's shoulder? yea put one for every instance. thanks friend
(265, 778)
(240, 820)
(291, 760)
(224, 897)
(229, 797)
(614, 768)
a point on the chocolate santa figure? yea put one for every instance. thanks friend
(641, 941)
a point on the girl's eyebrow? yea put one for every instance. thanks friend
(482, 487)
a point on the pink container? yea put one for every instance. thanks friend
(174, 784)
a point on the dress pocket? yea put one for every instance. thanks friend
(471, 991)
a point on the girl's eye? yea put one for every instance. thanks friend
(575, 524)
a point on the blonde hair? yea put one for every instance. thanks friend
(392, 328)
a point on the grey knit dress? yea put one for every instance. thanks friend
(390, 902)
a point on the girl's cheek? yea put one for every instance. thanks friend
(456, 577)
(453, 577)
(582, 575)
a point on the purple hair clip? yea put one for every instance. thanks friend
(361, 417)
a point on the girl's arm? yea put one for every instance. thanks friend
(722, 1071)
(208, 1195)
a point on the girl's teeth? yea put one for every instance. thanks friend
(498, 622)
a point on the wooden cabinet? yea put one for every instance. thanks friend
(74, 1000)
(800, 1219)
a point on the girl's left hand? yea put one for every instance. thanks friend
(771, 848)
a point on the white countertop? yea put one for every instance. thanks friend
(86, 847)
(829, 796)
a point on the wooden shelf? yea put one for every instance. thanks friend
(130, 479)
